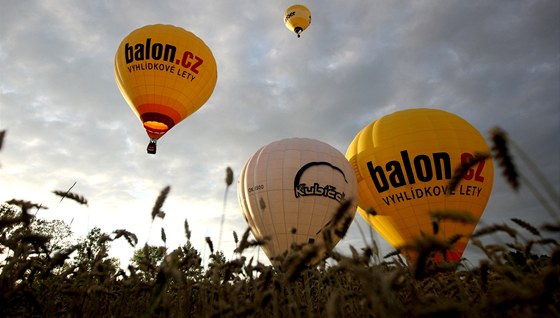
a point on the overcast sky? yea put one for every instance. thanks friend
(494, 63)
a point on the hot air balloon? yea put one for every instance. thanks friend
(165, 73)
(297, 18)
(404, 162)
(290, 190)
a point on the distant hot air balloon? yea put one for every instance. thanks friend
(290, 190)
(165, 73)
(297, 18)
(404, 162)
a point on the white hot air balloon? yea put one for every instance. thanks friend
(290, 190)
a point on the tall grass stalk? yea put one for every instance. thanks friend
(229, 181)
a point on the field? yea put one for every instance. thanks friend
(43, 276)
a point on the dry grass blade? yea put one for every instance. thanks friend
(72, 196)
(501, 154)
(159, 202)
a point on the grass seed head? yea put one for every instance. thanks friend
(72, 196)
(163, 236)
(235, 238)
(533, 230)
(159, 201)
(229, 176)
(187, 230)
(2, 135)
(495, 228)
(130, 237)
(210, 244)
(501, 153)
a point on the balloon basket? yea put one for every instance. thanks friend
(151, 147)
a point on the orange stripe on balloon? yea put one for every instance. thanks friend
(159, 108)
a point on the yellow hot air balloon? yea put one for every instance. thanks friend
(404, 162)
(165, 73)
(290, 189)
(297, 18)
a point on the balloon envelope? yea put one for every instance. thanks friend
(297, 18)
(290, 190)
(404, 162)
(165, 73)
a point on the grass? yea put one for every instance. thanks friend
(38, 279)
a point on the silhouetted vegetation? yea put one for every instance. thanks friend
(42, 274)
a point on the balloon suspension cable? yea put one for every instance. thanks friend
(152, 146)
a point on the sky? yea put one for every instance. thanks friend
(494, 63)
